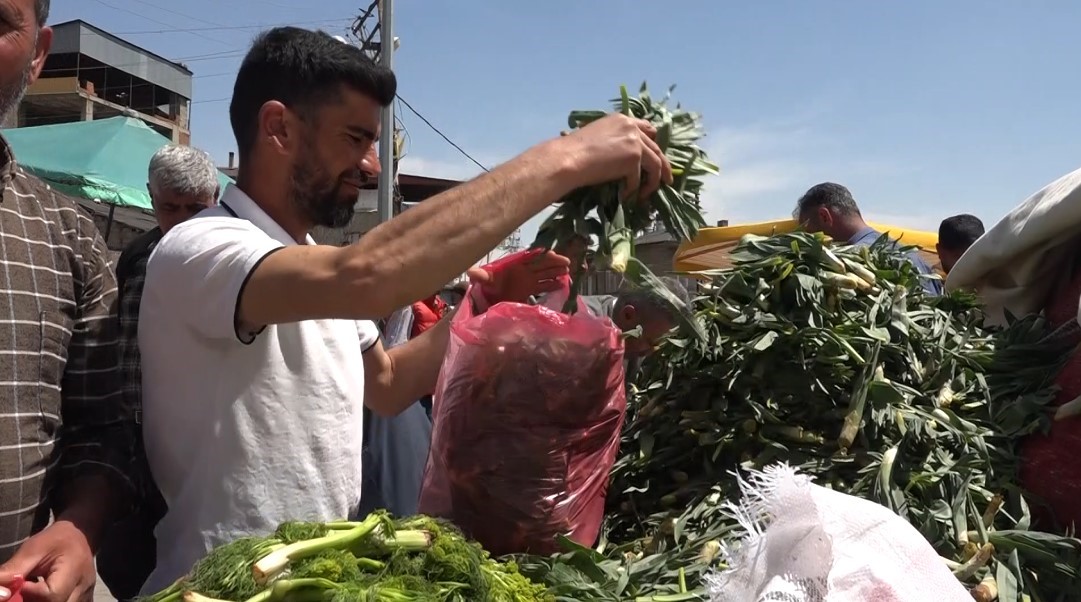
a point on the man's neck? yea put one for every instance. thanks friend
(277, 207)
(846, 231)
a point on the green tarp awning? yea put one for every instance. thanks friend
(102, 160)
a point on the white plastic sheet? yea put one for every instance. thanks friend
(806, 543)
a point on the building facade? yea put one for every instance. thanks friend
(92, 74)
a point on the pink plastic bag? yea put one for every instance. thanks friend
(526, 423)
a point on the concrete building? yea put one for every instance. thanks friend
(91, 74)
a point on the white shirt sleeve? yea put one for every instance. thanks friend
(200, 268)
(369, 334)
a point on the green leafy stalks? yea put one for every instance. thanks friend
(614, 215)
(834, 360)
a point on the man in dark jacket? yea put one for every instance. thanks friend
(182, 182)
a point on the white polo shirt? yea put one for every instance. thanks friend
(241, 434)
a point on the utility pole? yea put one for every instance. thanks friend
(382, 51)
(386, 139)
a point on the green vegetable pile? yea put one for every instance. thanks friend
(835, 361)
(379, 559)
(610, 213)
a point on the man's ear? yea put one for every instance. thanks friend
(630, 314)
(824, 216)
(41, 52)
(275, 126)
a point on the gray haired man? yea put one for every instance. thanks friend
(641, 308)
(182, 182)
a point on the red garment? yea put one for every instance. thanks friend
(1051, 464)
(427, 313)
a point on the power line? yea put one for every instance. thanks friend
(441, 134)
(512, 242)
(153, 20)
(223, 27)
(173, 12)
(268, 3)
(204, 76)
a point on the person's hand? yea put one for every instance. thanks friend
(517, 282)
(616, 148)
(57, 564)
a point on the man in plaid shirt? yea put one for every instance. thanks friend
(66, 434)
(182, 182)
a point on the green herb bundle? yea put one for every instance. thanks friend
(609, 213)
(835, 361)
(416, 559)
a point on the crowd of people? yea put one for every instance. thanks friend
(223, 377)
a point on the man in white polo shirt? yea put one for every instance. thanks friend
(258, 347)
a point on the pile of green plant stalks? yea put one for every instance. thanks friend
(833, 360)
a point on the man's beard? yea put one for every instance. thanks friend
(318, 196)
(12, 94)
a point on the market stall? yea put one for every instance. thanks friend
(818, 427)
(102, 161)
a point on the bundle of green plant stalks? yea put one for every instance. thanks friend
(834, 360)
(378, 559)
(614, 215)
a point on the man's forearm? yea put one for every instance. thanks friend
(414, 370)
(422, 249)
(89, 503)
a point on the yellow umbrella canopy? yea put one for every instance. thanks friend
(712, 247)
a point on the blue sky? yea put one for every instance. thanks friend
(924, 109)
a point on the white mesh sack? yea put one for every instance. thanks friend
(806, 543)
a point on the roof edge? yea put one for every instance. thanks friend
(122, 42)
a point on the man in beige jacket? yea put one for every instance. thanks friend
(1029, 263)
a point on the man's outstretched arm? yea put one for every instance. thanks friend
(419, 251)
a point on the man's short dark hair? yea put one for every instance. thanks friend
(960, 231)
(303, 70)
(41, 11)
(652, 304)
(834, 197)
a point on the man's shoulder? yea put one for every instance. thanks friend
(599, 305)
(136, 251)
(64, 226)
(213, 227)
(867, 237)
(55, 204)
(141, 245)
